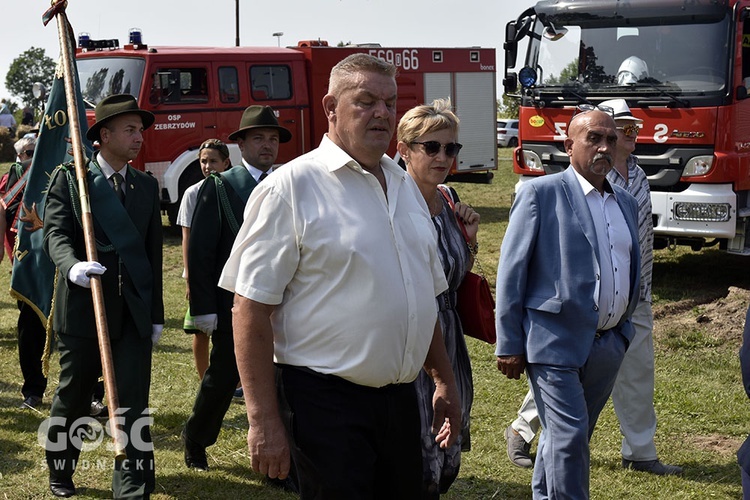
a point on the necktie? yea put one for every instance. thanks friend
(262, 176)
(117, 180)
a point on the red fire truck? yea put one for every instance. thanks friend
(198, 93)
(683, 67)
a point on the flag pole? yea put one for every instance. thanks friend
(79, 158)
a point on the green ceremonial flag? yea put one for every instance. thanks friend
(33, 275)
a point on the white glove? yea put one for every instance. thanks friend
(156, 333)
(206, 323)
(80, 272)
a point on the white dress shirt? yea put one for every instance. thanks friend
(256, 172)
(354, 274)
(613, 239)
(108, 171)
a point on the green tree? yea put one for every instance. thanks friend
(30, 67)
(568, 74)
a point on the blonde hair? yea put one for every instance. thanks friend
(425, 119)
(342, 73)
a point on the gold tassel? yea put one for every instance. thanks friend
(50, 332)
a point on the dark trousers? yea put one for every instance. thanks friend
(350, 441)
(216, 392)
(31, 339)
(80, 368)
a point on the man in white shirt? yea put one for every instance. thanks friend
(335, 272)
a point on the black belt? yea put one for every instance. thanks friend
(334, 379)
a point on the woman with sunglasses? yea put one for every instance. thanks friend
(428, 143)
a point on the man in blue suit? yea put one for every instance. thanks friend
(567, 283)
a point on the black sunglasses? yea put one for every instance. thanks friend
(29, 152)
(586, 107)
(433, 147)
(217, 145)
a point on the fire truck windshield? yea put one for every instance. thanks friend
(104, 76)
(675, 59)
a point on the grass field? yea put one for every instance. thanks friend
(702, 409)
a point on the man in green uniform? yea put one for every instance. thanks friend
(128, 232)
(217, 218)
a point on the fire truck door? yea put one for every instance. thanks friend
(473, 97)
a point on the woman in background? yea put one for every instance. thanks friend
(427, 142)
(213, 156)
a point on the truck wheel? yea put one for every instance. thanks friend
(190, 176)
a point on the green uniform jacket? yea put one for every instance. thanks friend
(211, 240)
(64, 243)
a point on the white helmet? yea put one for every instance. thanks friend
(631, 70)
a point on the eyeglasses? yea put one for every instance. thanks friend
(431, 148)
(29, 152)
(630, 130)
(586, 107)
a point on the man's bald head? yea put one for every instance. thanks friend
(591, 143)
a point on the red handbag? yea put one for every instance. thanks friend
(475, 305)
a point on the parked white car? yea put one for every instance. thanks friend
(507, 133)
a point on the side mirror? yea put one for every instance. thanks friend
(511, 45)
(510, 82)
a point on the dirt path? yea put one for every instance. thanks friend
(722, 318)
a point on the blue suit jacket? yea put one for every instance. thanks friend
(548, 273)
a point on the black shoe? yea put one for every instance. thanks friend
(652, 467)
(286, 484)
(99, 410)
(62, 487)
(195, 454)
(31, 402)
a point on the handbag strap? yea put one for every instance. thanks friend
(445, 191)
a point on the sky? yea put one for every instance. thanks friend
(391, 23)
